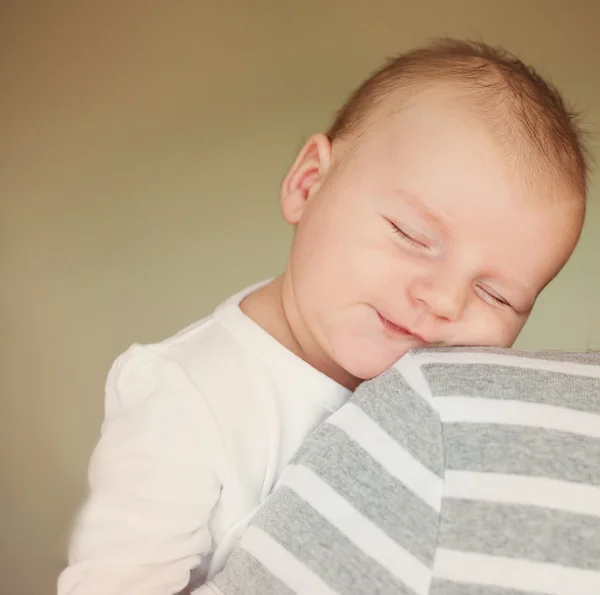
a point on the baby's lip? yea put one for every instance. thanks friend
(401, 330)
(420, 337)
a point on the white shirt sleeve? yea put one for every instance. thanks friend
(153, 484)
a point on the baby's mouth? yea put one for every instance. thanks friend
(397, 329)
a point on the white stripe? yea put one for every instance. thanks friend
(412, 374)
(465, 357)
(510, 573)
(364, 534)
(568, 496)
(517, 413)
(282, 564)
(425, 484)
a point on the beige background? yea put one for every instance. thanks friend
(142, 144)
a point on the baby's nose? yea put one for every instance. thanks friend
(443, 299)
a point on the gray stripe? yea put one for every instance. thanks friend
(405, 416)
(442, 587)
(509, 383)
(243, 574)
(522, 451)
(574, 357)
(367, 486)
(526, 532)
(326, 551)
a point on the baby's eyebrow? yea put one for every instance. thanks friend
(419, 204)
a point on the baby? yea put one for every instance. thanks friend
(446, 195)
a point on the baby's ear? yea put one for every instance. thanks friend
(305, 177)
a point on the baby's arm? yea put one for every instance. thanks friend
(153, 484)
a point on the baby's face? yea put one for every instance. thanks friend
(421, 234)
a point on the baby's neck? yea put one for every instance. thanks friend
(266, 307)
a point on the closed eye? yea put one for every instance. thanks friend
(406, 237)
(496, 299)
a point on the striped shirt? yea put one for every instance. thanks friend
(458, 472)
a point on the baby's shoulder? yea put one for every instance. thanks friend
(205, 362)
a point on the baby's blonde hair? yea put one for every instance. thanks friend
(527, 112)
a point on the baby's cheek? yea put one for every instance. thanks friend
(491, 327)
(505, 329)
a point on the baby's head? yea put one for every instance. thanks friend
(448, 192)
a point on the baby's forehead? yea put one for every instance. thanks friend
(429, 127)
(427, 110)
(535, 145)
(525, 158)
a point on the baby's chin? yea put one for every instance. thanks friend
(366, 364)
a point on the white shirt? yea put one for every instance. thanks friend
(197, 431)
